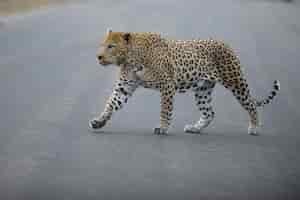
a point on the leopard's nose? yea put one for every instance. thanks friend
(100, 57)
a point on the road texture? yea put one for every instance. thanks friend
(51, 85)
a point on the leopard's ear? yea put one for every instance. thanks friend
(126, 37)
(108, 31)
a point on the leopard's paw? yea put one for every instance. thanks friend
(96, 123)
(190, 128)
(160, 131)
(198, 126)
(253, 131)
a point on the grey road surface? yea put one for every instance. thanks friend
(51, 85)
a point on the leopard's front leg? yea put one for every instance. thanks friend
(122, 91)
(167, 92)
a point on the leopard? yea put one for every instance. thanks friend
(171, 66)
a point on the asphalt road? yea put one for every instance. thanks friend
(51, 85)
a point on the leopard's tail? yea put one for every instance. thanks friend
(270, 97)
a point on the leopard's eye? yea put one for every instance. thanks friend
(110, 46)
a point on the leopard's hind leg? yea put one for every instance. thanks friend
(203, 97)
(233, 79)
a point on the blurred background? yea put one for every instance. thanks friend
(51, 85)
(9, 7)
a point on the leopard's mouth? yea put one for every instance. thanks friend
(104, 63)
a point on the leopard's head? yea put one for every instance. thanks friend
(114, 48)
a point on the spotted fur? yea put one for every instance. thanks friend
(170, 66)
